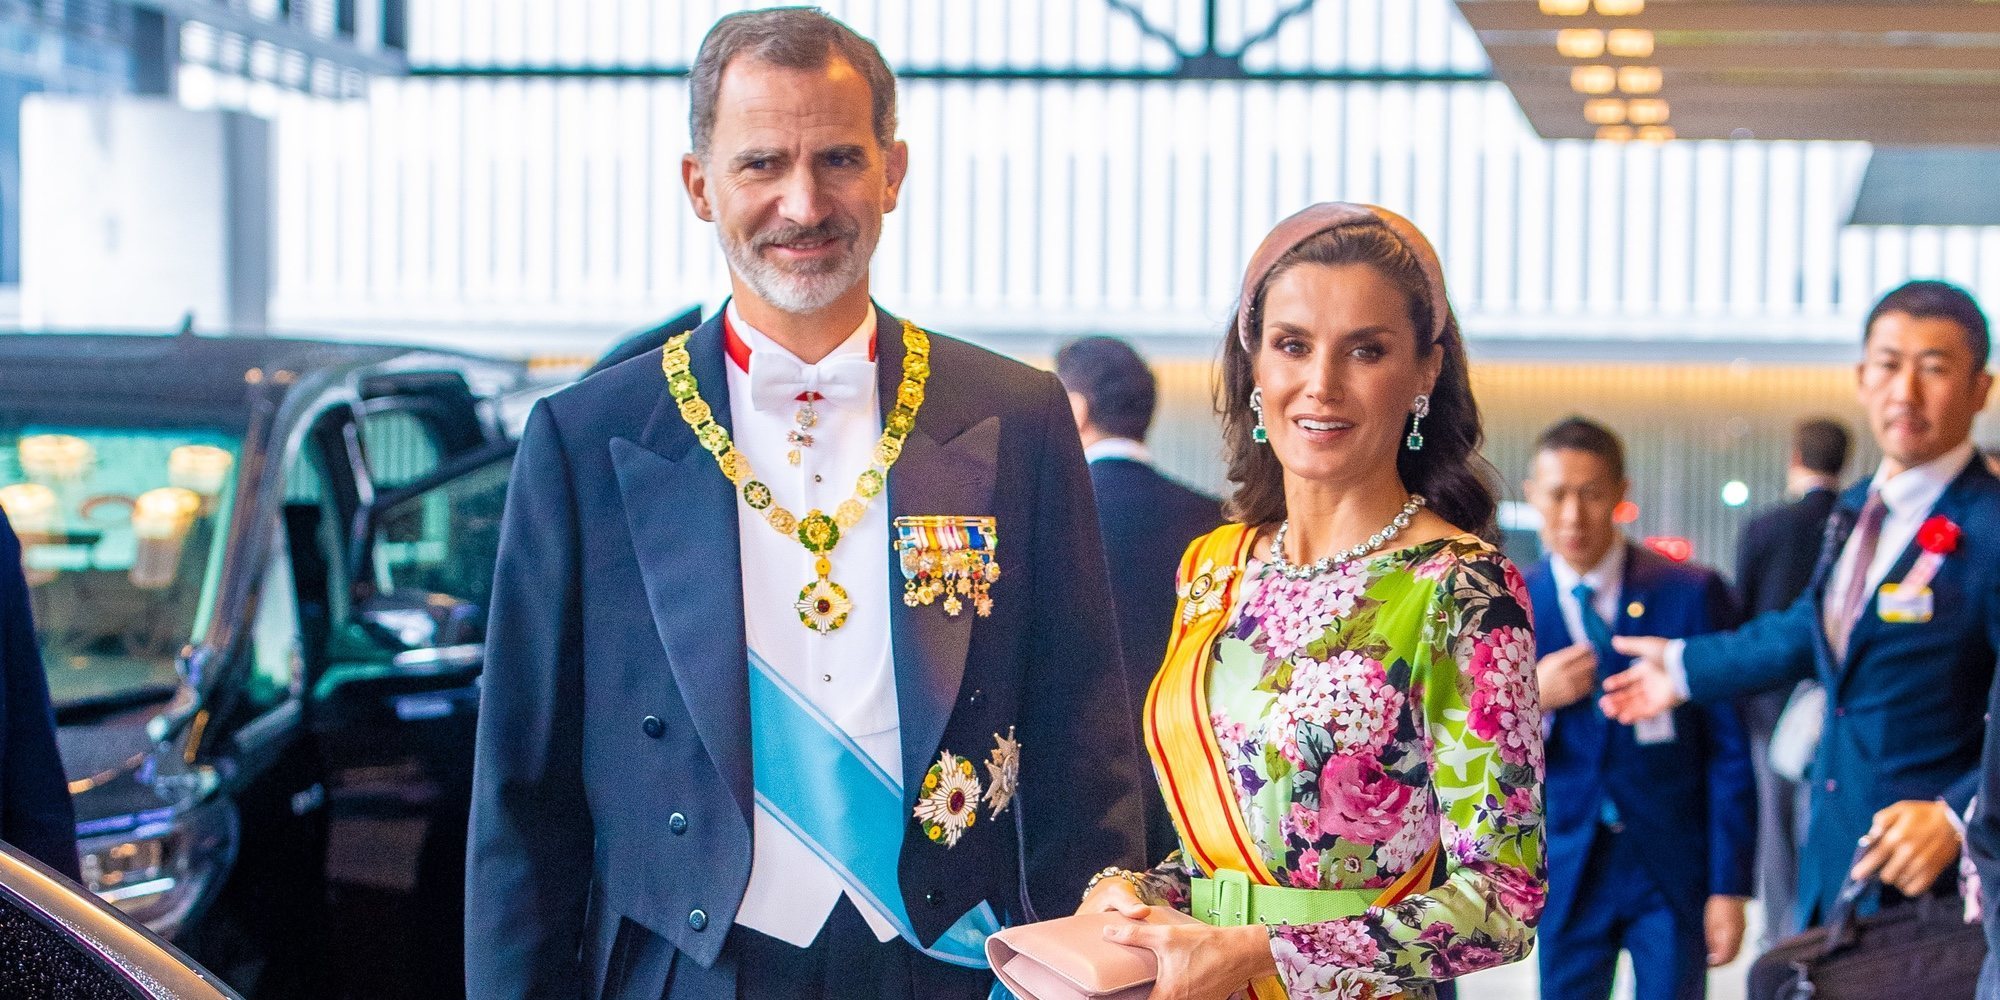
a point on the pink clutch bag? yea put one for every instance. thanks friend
(1068, 959)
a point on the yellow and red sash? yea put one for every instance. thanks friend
(1180, 733)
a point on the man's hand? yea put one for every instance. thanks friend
(1566, 676)
(1643, 691)
(1909, 846)
(1722, 926)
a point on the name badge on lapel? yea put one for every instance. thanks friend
(951, 557)
(1911, 602)
(1899, 603)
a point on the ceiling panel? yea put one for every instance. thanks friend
(1911, 74)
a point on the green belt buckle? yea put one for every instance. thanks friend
(1231, 904)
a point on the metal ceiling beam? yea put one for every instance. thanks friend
(377, 62)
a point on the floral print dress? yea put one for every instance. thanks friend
(1367, 714)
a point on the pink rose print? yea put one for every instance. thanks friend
(1303, 823)
(1306, 876)
(1358, 802)
(1520, 894)
(1504, 708)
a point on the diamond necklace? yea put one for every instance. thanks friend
(1375, 541)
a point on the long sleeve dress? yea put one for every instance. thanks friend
(1367, 714)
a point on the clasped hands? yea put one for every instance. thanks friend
(1196, 961)
(1909, 844)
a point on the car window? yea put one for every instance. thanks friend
(122, 529)
(445, 539)
(401, 447)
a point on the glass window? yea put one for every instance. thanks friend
(122, 532)
(445, 540)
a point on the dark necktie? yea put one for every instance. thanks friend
(1598, 634)
(1841, 616)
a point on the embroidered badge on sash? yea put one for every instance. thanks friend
(1003, 773)
(1203, 594)
(948, 805)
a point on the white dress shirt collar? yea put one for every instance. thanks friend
(1917, 489)
(1605, 578)
(861, 341)
(1117, 447)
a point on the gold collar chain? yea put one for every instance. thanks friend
(823, 605)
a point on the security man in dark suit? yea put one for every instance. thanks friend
(1147, 519)
(1774, 562)
(1900, 623)
(35, 811)
(1650, 827)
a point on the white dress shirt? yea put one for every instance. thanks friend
(849, 673)
(1909, 496)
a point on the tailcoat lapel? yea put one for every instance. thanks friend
(682, 515)
(948, 466)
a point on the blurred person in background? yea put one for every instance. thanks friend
(1774, 563)
(1347, 715)
(1147, 519)
(696, 779)
(35, 811)
(1651, 828)
(1899, 625)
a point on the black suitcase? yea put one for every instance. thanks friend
(1918, 948)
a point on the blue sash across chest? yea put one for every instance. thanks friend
(814, 780)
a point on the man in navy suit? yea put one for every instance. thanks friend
(696, 779)
(1899, 625)
(1774, 563)
(1650, 827)
(1147, 519)
(35, 811)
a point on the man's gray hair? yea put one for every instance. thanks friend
(795, 38)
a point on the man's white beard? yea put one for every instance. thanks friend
(793, 292)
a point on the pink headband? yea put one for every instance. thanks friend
(1317, 219)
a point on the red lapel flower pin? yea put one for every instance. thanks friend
(1938, 536)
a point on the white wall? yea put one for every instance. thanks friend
(136, 212)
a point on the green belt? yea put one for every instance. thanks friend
(1230, 899)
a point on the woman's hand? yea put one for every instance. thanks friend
(1197, 962)
(1110, 894)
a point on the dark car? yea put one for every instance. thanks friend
(57, 941)
(259, 568)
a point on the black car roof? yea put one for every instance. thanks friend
(207, 372)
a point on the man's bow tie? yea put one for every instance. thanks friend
(778, 381)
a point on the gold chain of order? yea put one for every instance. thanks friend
(817, 531)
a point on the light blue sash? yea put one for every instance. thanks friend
(818, 783)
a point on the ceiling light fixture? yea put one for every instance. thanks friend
(1580, 43)
(1615, 133)
(1651, 111)
(1593, 79)
(1656, 133)
(1565, 8)
(1626, 43)
(1639, 79)
(1604, 111)
(1620, 8)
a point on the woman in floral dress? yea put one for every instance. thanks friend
(1346, 727)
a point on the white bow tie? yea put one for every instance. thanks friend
(777, 379)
